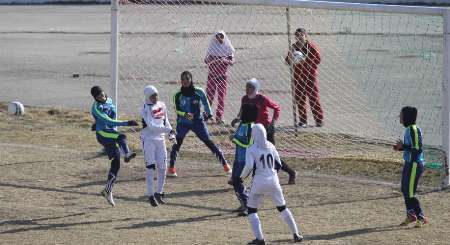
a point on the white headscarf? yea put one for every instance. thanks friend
(149, 91)
(215, 48)
(255, 83)
(259, 135)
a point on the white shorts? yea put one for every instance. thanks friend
(259, 188)
(155, 153)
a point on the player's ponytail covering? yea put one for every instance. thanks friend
(409, 115)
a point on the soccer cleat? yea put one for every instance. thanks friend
(129, 156)
(243, 213)
(420, 222)
(152, 201)
(230, 181)
(298, 237)
(257, 242)
(302, 125)
(109, 197)
(172, 172)
(227, 168)
(292, 178)
(159, 197)
(409, 219)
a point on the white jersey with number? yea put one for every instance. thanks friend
(261, 159)
(155, 117)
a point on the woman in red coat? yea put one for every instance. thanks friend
(305, 58)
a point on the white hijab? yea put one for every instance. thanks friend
(255, 83)
(215, 48)
(149, 91)
(259, 136)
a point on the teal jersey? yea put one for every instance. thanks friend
(191, 104)
(243, 139)
(412, 145)
(105, 116)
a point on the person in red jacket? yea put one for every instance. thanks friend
(304, 57)
(264, 103)
(219, 57)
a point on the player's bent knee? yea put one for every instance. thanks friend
(252, 210)
(281, 208)
(151, 166)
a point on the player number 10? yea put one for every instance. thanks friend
(269, 161)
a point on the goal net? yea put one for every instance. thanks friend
(372, 64)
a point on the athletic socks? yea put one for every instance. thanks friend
(289, 219)
(149, 173)
(161, 180)
(256, 225)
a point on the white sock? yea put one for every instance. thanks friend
(287, 216)
(149, 179)
(256, 225)
(161, 180)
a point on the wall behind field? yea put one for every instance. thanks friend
(415, 2)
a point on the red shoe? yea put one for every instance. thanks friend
(227, 168)
(172, 172)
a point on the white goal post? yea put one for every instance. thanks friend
(420, 45)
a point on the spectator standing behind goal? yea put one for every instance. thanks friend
(413, 167)
(263, 103)
(263, 160)
(104, 113)
(155, 123)
(304, 56)
(187, 103)
(219, 57)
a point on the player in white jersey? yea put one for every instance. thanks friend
(155, 125)
(263, 160)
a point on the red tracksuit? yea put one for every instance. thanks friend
(218, 80)
(306, 82)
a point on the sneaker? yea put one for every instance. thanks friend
(243, 213)
(409, 219)
(159, 197)
(230, 182)
(172, 172)
(420, 222)
(129, 156)
(219, 121)
(227, 168)
(302, 125)
(109, 197)
(257, 242)
(152, 201)
(298, 237)
(292, 178)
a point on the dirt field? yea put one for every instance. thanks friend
(51, 173)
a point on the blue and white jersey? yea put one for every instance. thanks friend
(243, 139)
(412, 145)
(191, 104)
(105, 116)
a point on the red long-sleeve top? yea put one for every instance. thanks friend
(263, 103)
(308, 68)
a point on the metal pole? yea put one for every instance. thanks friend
(291, 70)
(114, 52)
(446, 100)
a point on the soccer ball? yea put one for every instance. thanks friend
(16, 108)
(298, 57)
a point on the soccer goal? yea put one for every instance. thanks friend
(375, 59)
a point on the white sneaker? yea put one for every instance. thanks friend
(109, 197)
